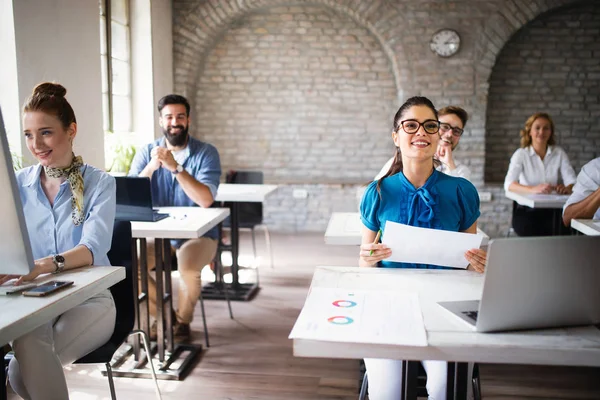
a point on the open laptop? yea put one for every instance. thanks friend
(536, 282)
(15, 246)
(134, 200)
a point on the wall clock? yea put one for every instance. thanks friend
(445, 42)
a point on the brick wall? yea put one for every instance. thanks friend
(552, 65)
(301, 93)
(306, 91)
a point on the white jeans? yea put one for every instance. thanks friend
(385, 379)
(36, 371)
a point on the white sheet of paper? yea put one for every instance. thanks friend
(360, 316)
(410, 244)
(549, 197)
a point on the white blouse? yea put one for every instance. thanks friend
(588, 181)
(527, 168)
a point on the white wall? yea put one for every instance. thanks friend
(9, 90)
(144, 119)
(151, 64)
(59, 40)
(162, 54)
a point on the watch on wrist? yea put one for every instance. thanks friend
(178, 169)
(59, 262)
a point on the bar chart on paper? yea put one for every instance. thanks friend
(339, 315)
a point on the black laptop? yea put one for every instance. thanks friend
(134, 200)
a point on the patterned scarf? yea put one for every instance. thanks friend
(73, 175)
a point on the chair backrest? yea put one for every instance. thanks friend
(122, 292)
(251, 213)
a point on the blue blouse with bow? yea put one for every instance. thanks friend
(444, 202)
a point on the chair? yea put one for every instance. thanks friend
(251, 213)
(122, 292)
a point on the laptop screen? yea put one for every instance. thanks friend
(133, 194)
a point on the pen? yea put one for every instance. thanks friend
(375, 241)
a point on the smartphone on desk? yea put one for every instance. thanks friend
(46, 288)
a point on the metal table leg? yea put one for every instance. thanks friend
(237, 291)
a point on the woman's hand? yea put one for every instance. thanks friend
(562, 189)
(40, 266)
(6, 278)
(477, 259)
(371, 254)
(542, 188)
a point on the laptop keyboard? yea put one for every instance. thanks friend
(471, 314)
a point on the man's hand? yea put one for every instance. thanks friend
(444, 154)
(562, 189)
(164, 157)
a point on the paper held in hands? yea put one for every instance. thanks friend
(410, 244)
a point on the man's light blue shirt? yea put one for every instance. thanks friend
(50, 227)
(202, 162)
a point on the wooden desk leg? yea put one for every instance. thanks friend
(3, 395)
(160, 328)
(168, 295)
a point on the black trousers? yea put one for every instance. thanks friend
(528, 221)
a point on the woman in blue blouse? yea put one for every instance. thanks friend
(414, 193)
(69, 210)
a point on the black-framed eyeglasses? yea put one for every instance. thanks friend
(456, 131)
(411, 126)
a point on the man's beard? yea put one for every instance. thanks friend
(179, 139)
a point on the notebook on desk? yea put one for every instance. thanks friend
(536, 282)
(134, 200)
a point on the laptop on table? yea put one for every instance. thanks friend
(536, 282)
(134, 200)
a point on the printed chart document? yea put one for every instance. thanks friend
(382, 317)
(410, 244)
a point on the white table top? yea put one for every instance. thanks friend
(21, 314)
(538, 200)
(588, 227)
(184, 223)
(345, 229)
(240, 192)
(448, 337)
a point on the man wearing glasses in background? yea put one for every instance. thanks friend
(452, 123)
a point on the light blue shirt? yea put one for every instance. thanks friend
(51, 229)
(200, 160)
(443, 202)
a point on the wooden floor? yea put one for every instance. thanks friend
(251, 357)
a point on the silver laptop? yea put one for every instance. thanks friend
(537, 282)
(15, 247)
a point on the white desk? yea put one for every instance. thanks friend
(240, 192)
(234, 194)
(538, 200)
(22, 314)
(449, 338)
(588, 227)
(345, 229)
(183, 223)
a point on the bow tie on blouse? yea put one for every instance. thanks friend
(421, 207)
